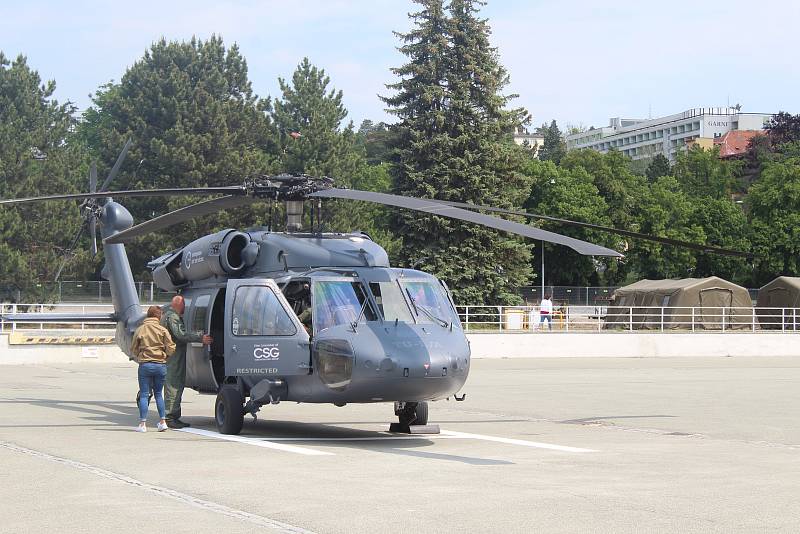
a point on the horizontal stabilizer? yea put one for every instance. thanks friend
(60, 317)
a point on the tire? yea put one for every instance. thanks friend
(421, 413)
(229, 411)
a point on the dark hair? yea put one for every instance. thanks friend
(547, 296)
(154, 311)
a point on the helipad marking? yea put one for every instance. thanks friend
(510, 441)
(272, 443)
(258, 442)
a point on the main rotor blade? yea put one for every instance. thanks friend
(175, 192)
(435, 207)
(117, 165)
(178, 216)
(638, 235)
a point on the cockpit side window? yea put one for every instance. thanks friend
(391, 303)
(340, 302)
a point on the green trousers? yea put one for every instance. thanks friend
(175, 382)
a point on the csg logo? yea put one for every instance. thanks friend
(266, 352)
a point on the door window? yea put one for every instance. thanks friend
(258, 312)
(200, 313)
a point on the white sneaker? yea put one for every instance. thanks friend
(141, 428)
(162, 426)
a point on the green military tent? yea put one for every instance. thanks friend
(778, 302)
(708, 303)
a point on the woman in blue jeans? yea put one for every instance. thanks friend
(152, 345)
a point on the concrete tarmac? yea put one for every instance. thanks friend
(539, 445)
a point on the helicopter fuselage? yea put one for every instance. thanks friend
(367, 339)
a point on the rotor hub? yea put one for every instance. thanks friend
(286, 186)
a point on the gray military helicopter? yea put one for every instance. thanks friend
(370, 332)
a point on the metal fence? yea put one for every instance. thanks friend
(629, 318)
(76, 291)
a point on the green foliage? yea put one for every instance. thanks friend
(666, 211)
(658, 167)
(774, 207)
(569, 194)
(376, 140)
(194, 120)
(37, 157)
(309, 118)
(553, 146)
(702, 173)
(724, 225)
(454, 143)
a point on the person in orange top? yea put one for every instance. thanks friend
(152, 345)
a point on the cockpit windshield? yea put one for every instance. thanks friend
(391, 303)
(429, 301)
(340, 302)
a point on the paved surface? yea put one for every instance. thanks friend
(540, 445)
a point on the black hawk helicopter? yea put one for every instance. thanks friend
(370, 333)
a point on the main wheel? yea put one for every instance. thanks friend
(229, 411)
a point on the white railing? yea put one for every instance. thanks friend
(630, 318)
(33, 324)
(520, 318)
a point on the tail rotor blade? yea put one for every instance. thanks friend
(93, 234)
(68, 250)
(117, 165)
(93, 178)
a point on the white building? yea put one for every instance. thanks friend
(533, 141)
(644, 138)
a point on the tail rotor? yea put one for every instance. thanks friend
(91, 208)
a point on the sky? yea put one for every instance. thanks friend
(579, 62)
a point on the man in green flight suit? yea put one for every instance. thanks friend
(172, 319)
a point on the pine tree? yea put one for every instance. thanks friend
(309, 121)
(194, 120)
(38, 156)
(553, 147)
(454, 143)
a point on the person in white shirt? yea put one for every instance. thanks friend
(546, 312)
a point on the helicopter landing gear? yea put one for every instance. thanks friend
(412, 419)
(229, 410)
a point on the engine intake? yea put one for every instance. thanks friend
(219, 254)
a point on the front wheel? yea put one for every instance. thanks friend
(421, 414)
(229, 411)
(412, 413)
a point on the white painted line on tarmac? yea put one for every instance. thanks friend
(164, 492)
(258, 442)
(510, 441)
